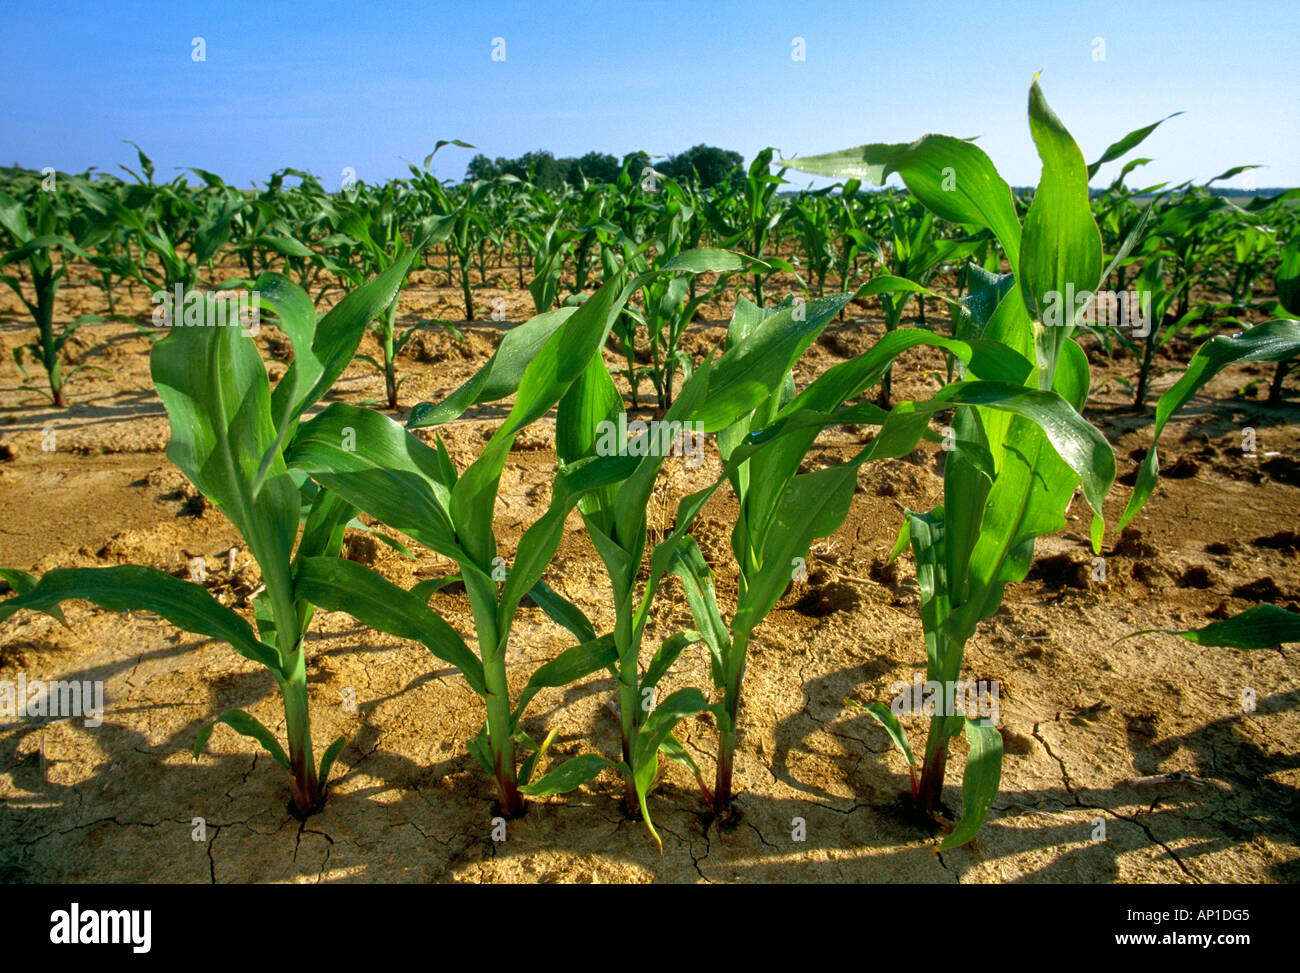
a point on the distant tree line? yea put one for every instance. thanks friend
(704, 165)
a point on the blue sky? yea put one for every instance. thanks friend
(372, 86)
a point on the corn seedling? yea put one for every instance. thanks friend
(228, 433)
(42, 246)
(714, 398)
(416, 489)
(1013, 468)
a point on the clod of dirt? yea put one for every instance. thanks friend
(1144, 725)
(1197, 577)
(1261, 589)
(361, 547)
(1283, 469)
(278, 344)
(1220, 612)
(839, 343)
(532, 440)
(1208, 450)
(6, 453)
(428, 345)
(1183, 468)
(1060, 571)
(1219, 548)
(826, 599)
(1148, 575)
(1016, 743)
(886, 489)
(1285, 540)
(1131, 545)
(884, 572)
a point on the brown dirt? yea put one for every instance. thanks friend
(1084, 717)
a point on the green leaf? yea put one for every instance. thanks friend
(751, 368)
(980, 784)
(1271, 341)
(667, 713)
(379, 467)
(130, 587)
(1060, 246)
(500, 376)
(21, 582)
(327, 760)
(568, 667)
(545, 379)
(562, 611)
(667, 653)
(213, 383)
(571, 774)
(953, 178)
(335, 584)
(1258, 627)
(248, 725)
(1125, 145)
(886, 718)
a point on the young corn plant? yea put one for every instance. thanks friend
(462, 209)
(417, 490)
(915, 253)
(229, 429)
(42, 246)
(747, 218)
(668, 305)
(1013, 467)
(714, 398)
(375, 234)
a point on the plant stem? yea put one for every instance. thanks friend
(390, 359)
(1275, 388)
(727, 735)
(930, 790)
(499, 738)
(45, 288)
(307, 795)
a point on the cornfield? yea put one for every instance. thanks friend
(651, 526)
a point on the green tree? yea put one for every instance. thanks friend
(705, 165)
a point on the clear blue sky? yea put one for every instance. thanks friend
(374, 85)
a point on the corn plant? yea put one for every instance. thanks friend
(1153, 326)
(915, 253)
(1273, 341)
(416, 489)
(1012, 469)
(746, 219)
(461, 211)
(1286, 282)
(42, 246)
(716, 396)
(374, 234)
(668, 304)
(228, 435)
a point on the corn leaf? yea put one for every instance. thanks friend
(130, 587)
(1271, 341)
(980, 785)
(1258, 627)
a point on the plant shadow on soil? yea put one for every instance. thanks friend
(390, 817)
